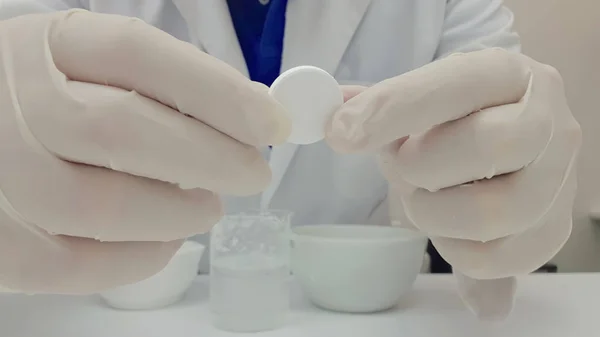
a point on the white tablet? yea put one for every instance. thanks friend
(310, 95)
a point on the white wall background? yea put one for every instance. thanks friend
(566, 34)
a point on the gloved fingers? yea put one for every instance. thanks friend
(504, 205)
(518, 254)
(487, 299)
(92, 202)
(485, 144)
(127, 132)
(33, 261)
(127, 53)
(507, 204)
(439, 92)
(100, 265)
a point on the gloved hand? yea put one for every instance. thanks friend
(102, 119)
(479, 150)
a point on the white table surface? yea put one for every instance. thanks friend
(548, 305)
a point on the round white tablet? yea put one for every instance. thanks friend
(310, 95)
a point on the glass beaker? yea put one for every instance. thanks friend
(250, 271)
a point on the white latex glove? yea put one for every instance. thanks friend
(487, 171)
(95, 141)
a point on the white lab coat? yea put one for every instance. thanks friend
(363, 41)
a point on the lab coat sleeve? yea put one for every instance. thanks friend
(13, 8)
(472, 25)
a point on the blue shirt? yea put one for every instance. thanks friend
(260, 27)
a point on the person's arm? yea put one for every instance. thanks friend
(476, 116)
(472, 25)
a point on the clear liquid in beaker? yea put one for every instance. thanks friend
(250, 293)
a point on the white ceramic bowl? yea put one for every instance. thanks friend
(163, 289)
(356, 268)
